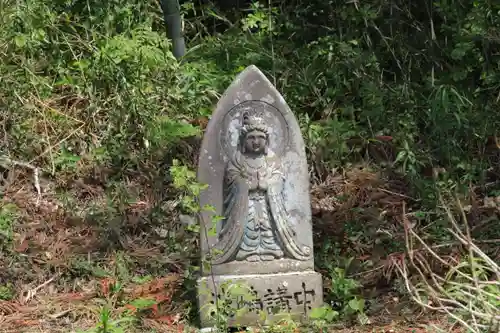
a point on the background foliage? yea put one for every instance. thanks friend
(397, 101)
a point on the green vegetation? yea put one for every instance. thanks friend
(397, 101)
(7, 217)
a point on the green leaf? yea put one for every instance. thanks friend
(142, 303)
(241, 312)
(262, 315)
(212, 232)
(208, 208)
(318, 313)
(401, 156)
(357, 304)
(217, 218)
(20, 40)
(238, 290)
(331, 315)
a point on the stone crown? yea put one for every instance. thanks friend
(254, 123)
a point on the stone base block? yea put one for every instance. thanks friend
(260, 299)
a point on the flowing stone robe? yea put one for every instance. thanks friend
(256, 217)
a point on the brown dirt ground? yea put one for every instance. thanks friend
(48, 237)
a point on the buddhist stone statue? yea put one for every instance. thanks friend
(253, 160)
(257, 225)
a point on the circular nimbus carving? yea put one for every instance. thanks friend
(231, 125)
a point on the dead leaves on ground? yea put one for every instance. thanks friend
(48, 239)
(84, 307)
(358, 208)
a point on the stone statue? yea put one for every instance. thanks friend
(257, 225)
(253, 160)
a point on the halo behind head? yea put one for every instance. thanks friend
(235, 127)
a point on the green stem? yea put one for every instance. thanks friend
(172, 15)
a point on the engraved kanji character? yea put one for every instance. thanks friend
(256, 304)
(304, 297)
(274, 302)
(269, 299)
(283, 299)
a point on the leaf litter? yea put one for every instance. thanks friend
(52, 245)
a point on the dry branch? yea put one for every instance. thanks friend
(8, 163)
(461, 293)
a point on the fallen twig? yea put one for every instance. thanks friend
(460, 294)
(7, 163)
(32, 292)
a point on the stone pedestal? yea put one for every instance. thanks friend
(260, 299)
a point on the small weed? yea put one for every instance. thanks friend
(7, 219)
(7, 292)
(92, 86)
(107, 324)
(343, 296)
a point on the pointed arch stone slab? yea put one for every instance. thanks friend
(252, 89)
(290, 285)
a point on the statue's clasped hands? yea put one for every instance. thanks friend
(253, 183)
(263, 184)
(258, 183)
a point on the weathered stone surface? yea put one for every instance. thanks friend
(253, 160)
(250, 93)
(275, 295)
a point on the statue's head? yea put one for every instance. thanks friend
(254, 135)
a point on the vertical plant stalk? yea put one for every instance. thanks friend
(173, 21)
(480, 312)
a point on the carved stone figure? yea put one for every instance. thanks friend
(253, 160)
(257, 225)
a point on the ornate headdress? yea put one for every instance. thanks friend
(253, 123)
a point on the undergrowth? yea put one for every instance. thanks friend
(396, 101)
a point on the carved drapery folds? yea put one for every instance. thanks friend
(253, 159)
(257, 226)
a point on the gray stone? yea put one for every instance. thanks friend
(209, 330)
(253, 161)
(261, 299)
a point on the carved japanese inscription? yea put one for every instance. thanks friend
(272, 295)
(271, 300)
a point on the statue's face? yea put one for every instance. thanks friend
(255, 142)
